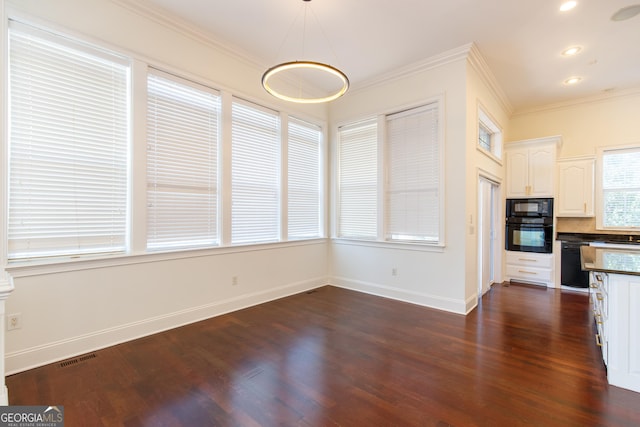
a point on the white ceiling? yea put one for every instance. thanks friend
(521, 40)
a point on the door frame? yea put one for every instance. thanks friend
(498, 237)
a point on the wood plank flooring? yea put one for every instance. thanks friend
(332, 357)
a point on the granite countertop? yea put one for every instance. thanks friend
(631, 239)
(610, 260)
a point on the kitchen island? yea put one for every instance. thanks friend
(614, 282)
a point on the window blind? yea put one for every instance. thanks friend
(621, 188)
(183, 122)
(413, 172)
(357, 181)
(67, 146)
(304, 180)
(255, 174)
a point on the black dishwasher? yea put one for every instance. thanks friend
(571, 273)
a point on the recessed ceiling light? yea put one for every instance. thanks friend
(573, 50)
(568, 5)
(626, 13)
(572, 80)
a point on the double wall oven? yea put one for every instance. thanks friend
(529, 225)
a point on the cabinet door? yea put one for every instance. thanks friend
(517, 173)
(575, 188)
(541, 170)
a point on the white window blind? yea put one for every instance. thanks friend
(304, 180)
(357, 181)
(413, 173)
(183, 121)
(255, 174)
(621, 188)
(67, 146)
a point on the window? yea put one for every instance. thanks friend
(304, 180)
(72, 189)
(255, 174)
(183, 121)
(68, 141)
(489, 135)
(358, 180)
(412, 192)
(485, 137)
(620, 189)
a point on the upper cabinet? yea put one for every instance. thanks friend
(575, 187)
(531, 167)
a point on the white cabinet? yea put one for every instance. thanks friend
(616, 305)
(530, 267)
(575, 188)
(531, 167)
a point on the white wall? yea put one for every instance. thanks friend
(75, 308)
(432, 278)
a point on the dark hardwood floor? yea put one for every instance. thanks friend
(332, 357)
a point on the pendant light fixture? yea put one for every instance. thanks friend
(287, 80)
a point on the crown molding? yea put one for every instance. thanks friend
(449, 56)
(592, 99)
(477, 61)
(188, 29)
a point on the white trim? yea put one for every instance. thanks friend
(592, 99)
(40, 355)
(478, 63)
(447, 57)
(407, 246)
(426, 300)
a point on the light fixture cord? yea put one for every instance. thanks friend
(324, 34)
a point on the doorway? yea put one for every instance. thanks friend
(488, 233)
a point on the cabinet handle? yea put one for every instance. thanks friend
(528, 259)
(585, 207)
(527, 272)
(598, 340)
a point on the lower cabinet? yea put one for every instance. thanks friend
(530, 267)
(615, 300)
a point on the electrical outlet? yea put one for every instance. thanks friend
(234, 281)
(14, 321)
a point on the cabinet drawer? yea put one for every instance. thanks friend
(530, 259)
(529, 273)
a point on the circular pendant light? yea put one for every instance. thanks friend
(331, 72)
(286, 80)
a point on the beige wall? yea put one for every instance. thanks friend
(584, 126)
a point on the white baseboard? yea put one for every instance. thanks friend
(431, 301)
(55, 351)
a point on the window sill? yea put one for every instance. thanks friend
(42, 266)
(408, 246)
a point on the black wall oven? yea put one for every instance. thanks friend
(529, 225)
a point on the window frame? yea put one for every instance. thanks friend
(486, 121)
(382, 170)
(600, 191)
(85, 53)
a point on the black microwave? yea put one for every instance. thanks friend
(529, 208)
